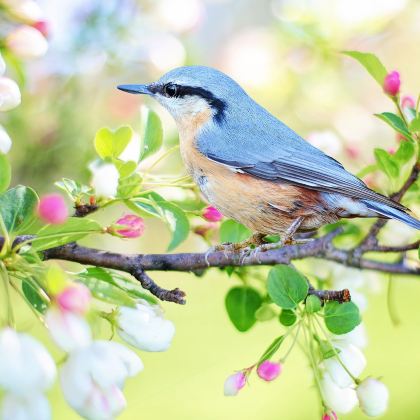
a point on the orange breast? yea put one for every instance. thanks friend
(263, 206)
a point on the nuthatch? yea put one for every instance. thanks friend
(254, 168)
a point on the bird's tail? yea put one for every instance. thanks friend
(393, 213)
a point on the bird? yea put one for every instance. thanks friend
(255, 169)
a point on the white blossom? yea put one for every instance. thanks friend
(25, 365)
(5, 141)
(373, 397)
(26, 42)
(33, 406)
(92, 378)
(26, 10)
(352, 358)
(341, 400)
(105, 179)
(9, 94)
(69, 331)
(145, 327)
(2, 65)
(357, 337)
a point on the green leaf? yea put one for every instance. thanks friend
(72, 230)
(5, 173)
(125, 169)
(17, 207)
(132, 288)
(312, 304)
(286, 286)
(395, 122)
(386, 164)
(73, 188)
(34, 297)
(264, 313)
(405, 152)
(241, 305)
(327, 350)
(129, 186)
(110, 144)
(152, 133)
(367, 170)
(415, 125)
(231, 231)
(271, 349)
(174, 217)
(341, 318)
(287, 317)
(371, 63)
(107, 291)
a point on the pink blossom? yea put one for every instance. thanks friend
(133, 226)
(392, 83)
(330, 416)
(43, 27)
(234, 383)
(52, 209)
(211, 214)
(391, 150)
(74, 298)
(269, 370)
(408, 102)
(352, 151)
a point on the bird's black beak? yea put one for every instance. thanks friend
(136, 89)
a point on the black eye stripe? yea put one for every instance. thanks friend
(180, 91)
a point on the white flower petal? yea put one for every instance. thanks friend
(341, 400)
(5, 141)
(93, 376)
(105, 179)
(357, 337)
(373, 397)
(69, 331)
(9, 94)
(26, 42)
(33, 406)
(145, 328)
(25, 365)
(352, 358)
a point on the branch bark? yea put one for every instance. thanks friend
(323, 248)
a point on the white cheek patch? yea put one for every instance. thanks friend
(185, 106)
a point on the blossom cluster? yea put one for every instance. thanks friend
(94, 371)
(26, 40)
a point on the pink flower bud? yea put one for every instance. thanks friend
(43, 27)
(330, 416)
(408, 102)
(211, 214)
(234, 383)
(391, 150)
(133, 226)
(392, 83)
(52, 209)
(74, 298)
(268, 370)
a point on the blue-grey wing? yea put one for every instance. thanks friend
(272, 151)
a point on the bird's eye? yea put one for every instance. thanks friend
(170, 90)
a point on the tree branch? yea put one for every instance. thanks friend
(323, 248)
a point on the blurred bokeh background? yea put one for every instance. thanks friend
(286, 53)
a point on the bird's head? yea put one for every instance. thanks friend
(191, 90)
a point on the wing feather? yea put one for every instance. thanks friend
(274, 152)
